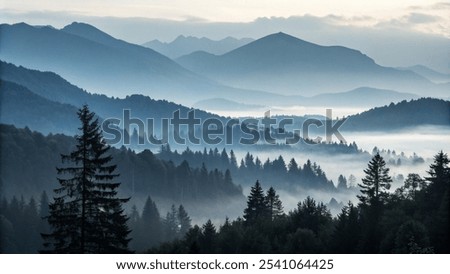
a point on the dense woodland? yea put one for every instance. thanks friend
(278, 171)
(36, 157)
(86, 212)
(412, 219)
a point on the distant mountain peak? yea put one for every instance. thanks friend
(284, 36)
(75, 23)
(75, 27)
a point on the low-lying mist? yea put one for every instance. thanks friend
(425, 142)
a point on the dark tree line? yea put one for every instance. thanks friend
(412, 219)
(291, 174)
(85, 214)
(36, 156)
(20, 224)
(149, 229)
(22, 220)
(181, 182)
(397, 159)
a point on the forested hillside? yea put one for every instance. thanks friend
(412, 219)
(29, 160)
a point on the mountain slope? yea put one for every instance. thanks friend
(224, 104)
(94, 60)
(361, 97)
(183, 45)
(46, 102)
(287, 65)
(52, 88)
(142, 174)
(21, 107)
(428, 73)
(424, 111)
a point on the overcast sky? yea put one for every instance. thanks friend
(427, 15)
(394, 32)
(220, 10)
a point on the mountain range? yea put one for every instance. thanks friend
(275, 70)
(402, 115)
(79, 51)
(46, 102)
(361, 97)
(290, 66)
(432, 75)
(183, 45)
(29, 94)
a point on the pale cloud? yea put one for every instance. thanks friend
(441, 6)
(421, 18)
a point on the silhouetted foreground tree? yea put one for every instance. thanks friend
(86, 216)
(372, 200)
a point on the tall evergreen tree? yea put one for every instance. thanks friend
(293, 167)
(342, 182)
(43, 205)
(376, 182)
(256, 204)
(233, 161)
(171, 224)
(438, 197)
(274, 204)
(374, 193)
(351, 180)
(150, 225)
(208, 238)
(184, 221)
(439, 176)
(86, 216)
(346, 233)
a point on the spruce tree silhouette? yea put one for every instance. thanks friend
(373, 196)
(86, 215)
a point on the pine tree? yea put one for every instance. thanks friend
(256, 205)
(351, 180)
(225, 161)
(311, 215)
(43, 205)
(342, 182)
(438, 197)
(439, 176)
(135, 225)
(346, 233)
(150, 225)
(29, 223)
(171, 224)
(293, 167)
(274, 204)
(86, 216)
(374, 192)
(233, 161)
(184, 221)
(208, 238)
(376, 182)
(249, 162)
